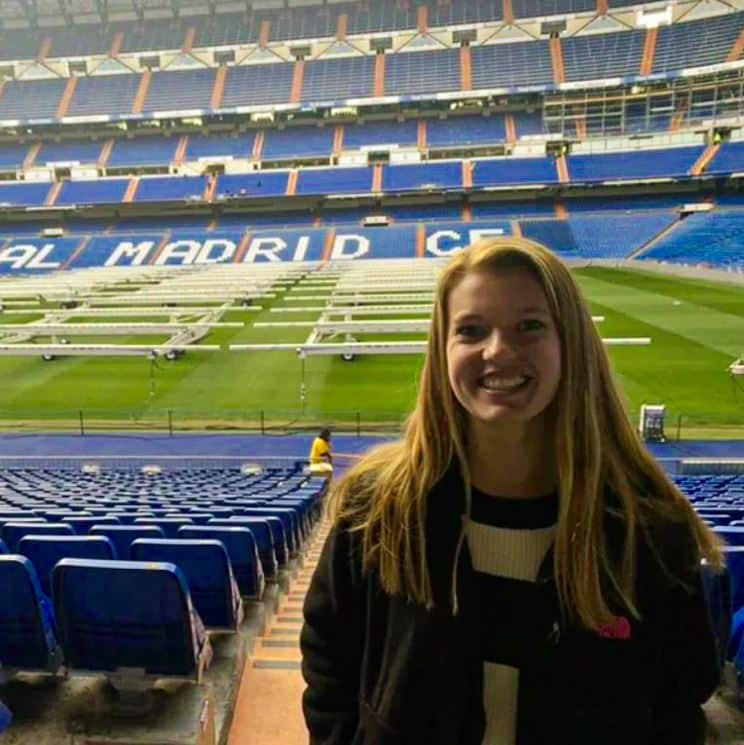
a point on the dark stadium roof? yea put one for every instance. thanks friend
(51, 13)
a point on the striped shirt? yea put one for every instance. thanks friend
(508, 540)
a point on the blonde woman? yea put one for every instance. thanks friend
(517, 570)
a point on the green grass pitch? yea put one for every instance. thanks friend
(697, 330)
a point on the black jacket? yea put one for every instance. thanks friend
(384, 671)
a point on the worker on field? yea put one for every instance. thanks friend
(321, 459)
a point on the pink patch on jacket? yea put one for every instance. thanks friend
(618, 630)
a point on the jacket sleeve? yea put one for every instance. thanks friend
(331, 643)
(690, 667)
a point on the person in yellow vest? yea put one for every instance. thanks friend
(321, 459)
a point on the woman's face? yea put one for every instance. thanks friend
(503, 350)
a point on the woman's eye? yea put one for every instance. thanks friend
(531, 324)
(470, 331)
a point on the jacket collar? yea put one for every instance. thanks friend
(445, 516)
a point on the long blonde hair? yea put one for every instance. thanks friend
(597, 453)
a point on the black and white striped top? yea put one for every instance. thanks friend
(508, 540)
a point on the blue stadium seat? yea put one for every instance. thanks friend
(81, 525)
(206, 566)
(197, 518)
(13, 532)
(735, 562)
(6, 717)
(123, 535)
(240, 545)
(737, 633)
(107, 620)
(169, 525)
(127, 518)
(13, 517)
(3, 548)
(288, 517)
(732, 536)
(735, 679)
(264, 540)
(278, 533)
(44, 551)
(717, 591)
(27, 634)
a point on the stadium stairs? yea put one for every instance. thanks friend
(268, 709)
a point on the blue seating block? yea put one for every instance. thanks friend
(334, 180)
(338, 79)
(444, 175)
(422, 72)
(259, 184)
(505, 171)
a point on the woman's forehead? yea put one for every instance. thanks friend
(513, 289)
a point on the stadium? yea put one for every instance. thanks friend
(221, 227)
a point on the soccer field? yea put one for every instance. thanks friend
(696, 327)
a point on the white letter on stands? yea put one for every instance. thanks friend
(432, 242)
(38, 261)
(476, 235)
(126, 249)
(256, 249)
(339, 244)
(17, 256)
(303, 243)
(185, 250)
(228, 249)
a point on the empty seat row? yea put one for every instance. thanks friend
(102, 621)
(252, 565)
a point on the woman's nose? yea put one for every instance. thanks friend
(497, 346)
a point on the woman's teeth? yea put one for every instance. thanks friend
(502, 385)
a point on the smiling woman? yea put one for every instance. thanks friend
(518, 569)
(504, 366)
